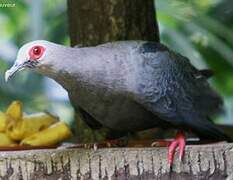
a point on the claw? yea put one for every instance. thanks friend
(171, 152)
(179, 141)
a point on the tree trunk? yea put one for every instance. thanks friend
(213, 162)
(97, 21)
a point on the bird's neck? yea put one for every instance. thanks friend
(72, 67)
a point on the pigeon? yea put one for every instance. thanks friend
(128, 86)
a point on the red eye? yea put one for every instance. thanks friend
(36, 52)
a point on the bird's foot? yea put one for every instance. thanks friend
(179, 141)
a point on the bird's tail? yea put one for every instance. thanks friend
(207, 73)
(205, 129)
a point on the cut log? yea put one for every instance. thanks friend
(200, 162)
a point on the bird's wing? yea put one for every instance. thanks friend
(170, 87)
(91, 121)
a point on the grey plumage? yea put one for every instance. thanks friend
(134, 85)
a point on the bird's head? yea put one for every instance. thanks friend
(32, 55)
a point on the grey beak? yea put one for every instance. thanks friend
(10, 72)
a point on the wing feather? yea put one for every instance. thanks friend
(170, 87)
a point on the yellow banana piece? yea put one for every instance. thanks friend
(51, 136)
(3, 119)
(29, 125)
(6, 141)
(13, 113)
(15, 110)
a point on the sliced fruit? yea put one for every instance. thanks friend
(50, 136)
(3, 119)
(15, 110)
(29, 125)
(6, 140)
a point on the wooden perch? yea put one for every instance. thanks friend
(201, 162)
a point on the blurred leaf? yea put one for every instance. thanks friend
(15, 27)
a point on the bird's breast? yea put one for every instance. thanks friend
(113, 110)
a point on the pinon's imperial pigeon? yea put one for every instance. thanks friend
(129, 86)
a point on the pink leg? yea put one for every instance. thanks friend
(178, 141)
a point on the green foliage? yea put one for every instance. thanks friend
(15, 29)
(192, 28)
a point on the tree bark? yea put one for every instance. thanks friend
(94, 22)
(200, 162)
